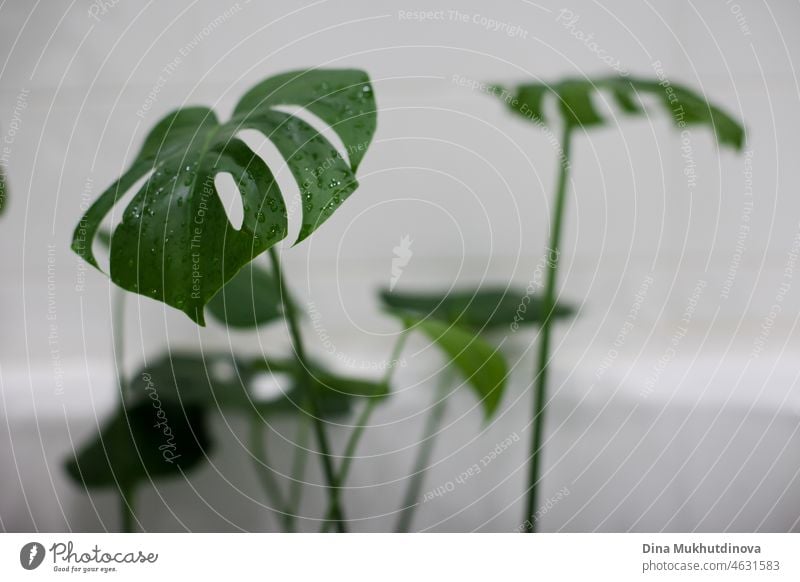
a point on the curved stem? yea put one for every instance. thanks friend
(410, 503)
(319, 427)
(540, 377)
(363, 419)
(262, 466)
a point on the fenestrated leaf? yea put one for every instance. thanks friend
(529, 102)
(148, 442)
(575, 99)
(175, 242)
(248, 300)
(483, 367)
(478, 310)
(575, 104)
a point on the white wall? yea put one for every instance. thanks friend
(712, 445)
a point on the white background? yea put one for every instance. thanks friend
(713, 445)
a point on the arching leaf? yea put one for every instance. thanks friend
(481, 364)
(147, 442)
(175, 242)
(575, 99)
(478, 310)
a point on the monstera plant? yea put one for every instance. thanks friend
(176, 244)
(576, 112)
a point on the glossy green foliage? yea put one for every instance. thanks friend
(478, 310)
(481, 364)
(175, 242)
(248, 300)
(150, 440)
(577, 107)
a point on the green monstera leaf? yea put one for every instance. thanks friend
(576, 105)
(175, 242)
(478, 310)
(152, 439)
(481, 364)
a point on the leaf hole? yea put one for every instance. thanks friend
(320, 126)
(267, 151)
(231, 198)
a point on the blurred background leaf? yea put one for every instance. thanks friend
(481, 365)
(576, 106)
(142, 443)
(249, 300)
(477, 310)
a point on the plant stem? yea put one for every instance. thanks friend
(540, 377)
(369, 407)
(298, 474)
(366, 413)
(410, 503)
(319, 427)
(262, 466)
(128, 511)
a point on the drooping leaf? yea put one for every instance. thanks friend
(147, 442)
(481, 364)
(575, 99)
(175, 242)
(248, 300)
(477, 310)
